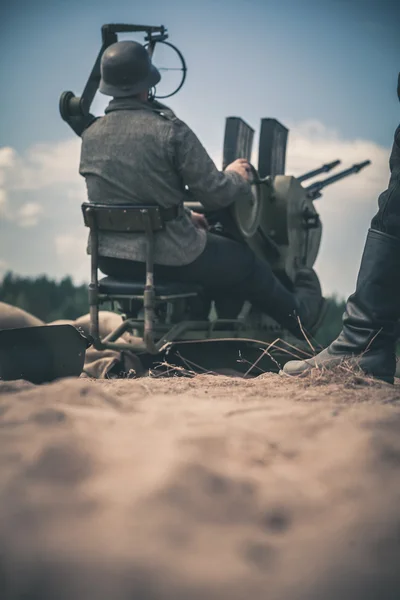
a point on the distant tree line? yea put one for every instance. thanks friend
(44, 298)
(50, 300)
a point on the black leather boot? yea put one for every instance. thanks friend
(368, 337)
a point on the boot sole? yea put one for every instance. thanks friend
(384, 379)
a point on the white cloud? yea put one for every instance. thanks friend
(67, 244)
(7, 163)
(71, 251)
(7, 157)
(45, 165)
(28, 214)
(42, 166)
(3, 202)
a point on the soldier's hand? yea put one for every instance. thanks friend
(241, 166)
(199, 220)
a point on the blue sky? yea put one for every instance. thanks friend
(333, 63)
(330, 60)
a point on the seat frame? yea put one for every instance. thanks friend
(128, 218)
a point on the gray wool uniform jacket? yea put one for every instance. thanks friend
(141, 153)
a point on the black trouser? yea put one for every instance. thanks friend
(223, 265)
(387, 219)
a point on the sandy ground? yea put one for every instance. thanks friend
(204, 488)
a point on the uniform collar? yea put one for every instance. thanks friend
(131, 103)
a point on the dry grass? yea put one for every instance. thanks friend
(346, 374)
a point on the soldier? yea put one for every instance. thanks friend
(140, 152)
(369, 334)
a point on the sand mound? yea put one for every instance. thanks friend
(211, 487)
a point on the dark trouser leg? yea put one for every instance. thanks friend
(368, 337)
(228, 264)
(387, 219)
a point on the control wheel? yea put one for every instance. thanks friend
(247, 211)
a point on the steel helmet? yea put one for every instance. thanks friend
(126, 70)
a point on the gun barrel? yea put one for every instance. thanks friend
(315, 172)
(314, 190)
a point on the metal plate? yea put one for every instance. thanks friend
(238, 140)
(272, 148)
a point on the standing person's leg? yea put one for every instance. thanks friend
(228, 264)
(387, 219)
(368, 337)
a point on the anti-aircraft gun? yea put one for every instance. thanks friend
(280, 224)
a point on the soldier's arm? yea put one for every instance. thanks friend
(214, 189)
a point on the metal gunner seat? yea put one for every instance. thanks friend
(128, 218)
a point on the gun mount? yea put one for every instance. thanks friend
(280, 224)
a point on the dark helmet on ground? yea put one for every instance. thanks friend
(126, 70)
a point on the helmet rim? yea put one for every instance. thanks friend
(120, 91)
(126, 69)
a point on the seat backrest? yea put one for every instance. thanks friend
(122, 218)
